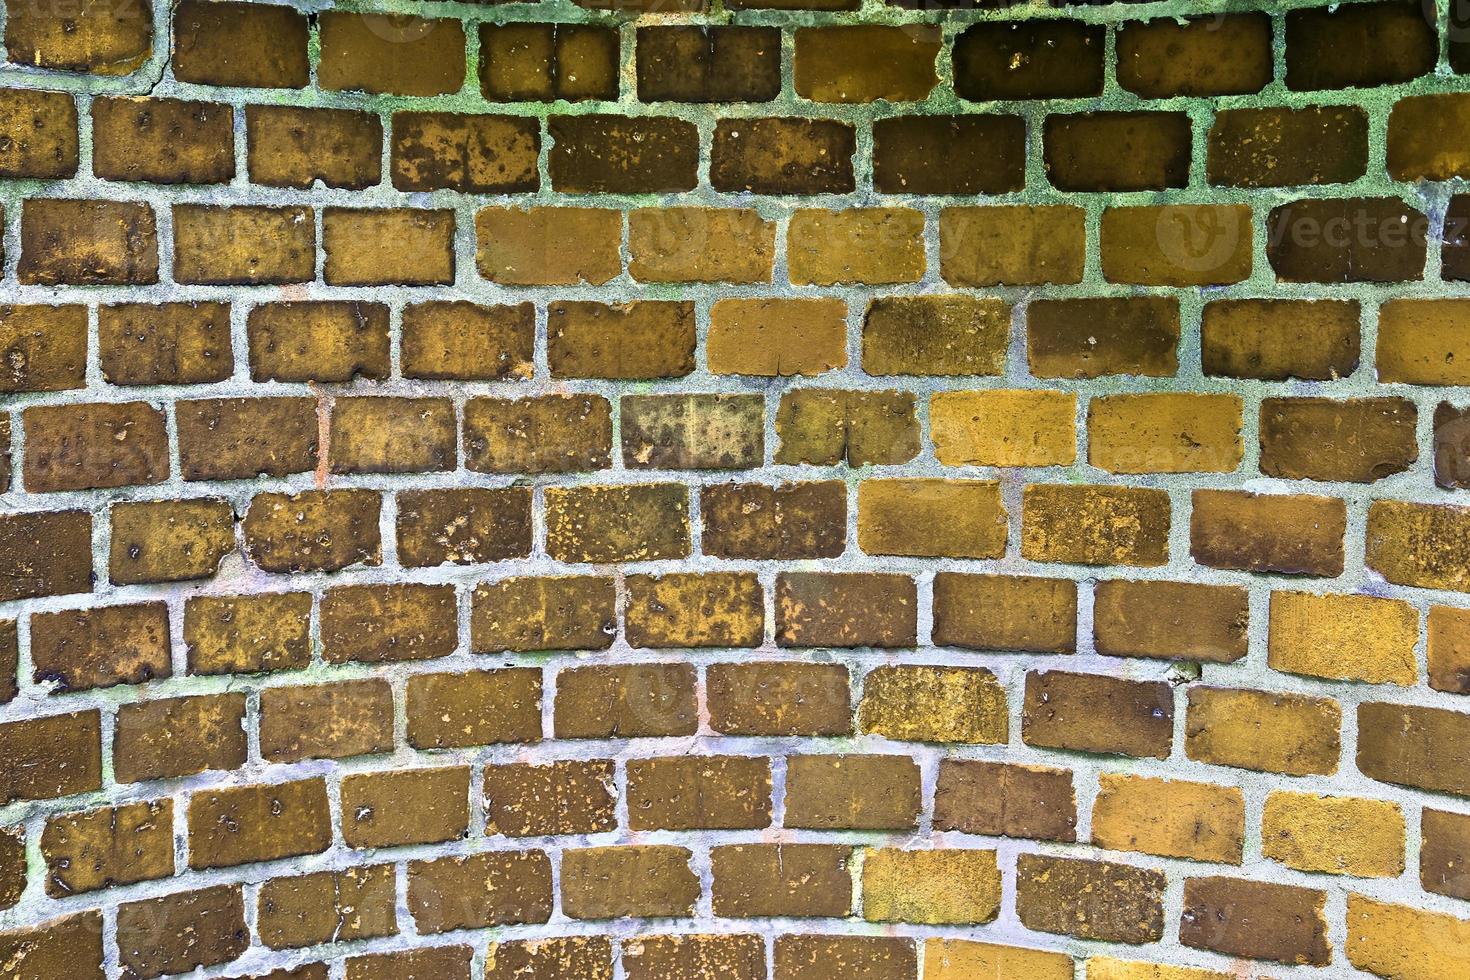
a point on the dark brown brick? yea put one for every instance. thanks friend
(38, 134)
(242, 438)
(494, 888)
(628, 882)
(623, 523)
(1171, 620)
(1279, 147)
(682, 610)
(783, 156)
(87, 243)
(392, 435)
(467, 526)
(802, 957)
(322, 340)
(1090, 899)
(45, 553)
(82, 649)
(1357, 440)
(1272, 340)
(328, 906)
(1359, 45)
(169, 540)
(50, 757)
(113, 39)
(525, 799)
(43, 348)
(474, 154)
(289, 146)
(1451, 447)
(526, 615)
(641, 339)
(246, 45)
(67, 948)
(9, 660)
(248, 634)
(81, 447)
(973, 154)
(1228, 54)
(1093, 713)
(12, 866)
(694, 957)
(998, 799)
(1052, 59)
(781, 881)
(236, 825)
(852, 792)
(1255, 919)
(387, 54)
(315, 530)
(163, 141)
(708, 64)
(693, 432)
(483, 707)
(107, 847)
(428, 963)
(165, 343)
(1005, 612)
(458, 341)
(1093, 338)
(388, 623)
(179, 737)
(326, 721)
(181, 932)
(1117, 151)
(545, 62)
(1356, 239)
(406, 806)
(845, 610)
(554, 433)
(632, 701)
(1444, 854)
(1288, 534)
(779, 699)
(1425, 748)
(244, 245)
(783, 522)
(1454, 256)
(598, 154)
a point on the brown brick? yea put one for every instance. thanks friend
(320, 340)
(438, 962)
(777, 338)
(1281, 147)
(861, 245)
(9, 660)
(1169, 818)
(169, 540)
(547, 62)
(80, 447)
(388, 246)
(1263, 730)
(50, 757)
(87, 243)
(483, 707)
(1288, 534)
(786, 521)
(115, 39)
(945, 886)
(1422, 545)
(936, 335)
(1004, 427)
(914, 703)
(1177, 244)
(241, 438)
(1050, 59)
(82, 649)
(607, 154)
(783, 156)
(463, 526)
(1092, 713)
(326, 721)
(699, 793)
(1165, 432)
(108, 847)
(693, 432)
(690, 957)
(544, 246)
(1419, 130)
(1451, 447)
(243, 45)
(559, 958)
(390, 55)
(1013, 245)
(700, 245)
(1455, 240)
(524, 799)
(1093, 338)
(290, 146)
(972, 154)
(165, 343)
(392, 435)
(1002, 800)
(641, 339)
(45, 553)
(852, 792)
(626, 701)
(67, 948)
(1273, 340)
(1425, 748)
(406, 806)
(314, 530)
(1170, 620)
(956, 959)
(1424, 342)
(1443, 853)
(525, 615)
(695, 610)
(1090, 899)
(38, 134)
(865, 63)
(628, 882)
(1358, 46)
(625, 523)
(779, 699)
(177, 737)
(328, 906)
(309, 971)
(932, 518)
(845, 610)
(1357, 441)
(1117, 151)
(1400, 941)
(781, 880)
(1449, 649)
(1224, 55)
(474, 154)
(163, 141)
(555, 433)
(1004, 612)
(236, 825)
(44, 348)
(181, 932)
(1344, 637)
(828, 427)
(459, 341)
(1356, 239)
(708, 64)
(388, 623)
(1255, 919)
(1095, 525)
(1333, 835)
(801, 957)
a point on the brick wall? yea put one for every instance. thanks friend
(783, 491)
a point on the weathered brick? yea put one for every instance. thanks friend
(524, 799)
(779, 699)
(1443, 853)
(828, 427)
(693, 432)
(782, 522)
(328, 906)
(852, 792)
(704, 792)
(524, 615)
(546, 62)
(956, 959)
(1425, 748)
(777, 338)
(107, 847)
(1093, 713)
(1093, 338)
(392, 435)
(624, 523)
(1256, 920)
(438, 962)
(463, 526)
(50, 757)
(1003, 800)
(459, 341)
(1344, 637)
(1117, 151)
(1288, 534)
(176, 737)
(641, 339)
(1451, 447)
(931, 518)
(1455, 240)
(245, 45)
(555, 433)
(387, 246)
(390, 55)
(45, 553)
(946, 886)
(1358, 46)
(700, 245)
(1225, 55)
(1262, 730)
(44, 348)
(60, 949)
(1165, 432)
(314, 530)
(1419, 544)
(473, 154)
(1424, 342)
(845, 610)
(783, 156)
(606, 154)
(812, 957)
(559, 958)
(318, 340)
(626, 701)
(870, 246)
(1050, 59)
(865, 63)
(915, 703)
(1107, 968)
(386, 623)
(165, 343)
(1090, 899)
(1356, 441)
(1273, 340)
(1356, 239)
(87, 243)
(708, 64)
(653, 881)
(169, 540)
(1281, 147)
(1005, 612)
(80, 447)
(1177, 244)
(236, 825)
(112, 39)
(289, 146)
(181, 932)
(781, 880)
(1401, 941)
(406, 806)
(242, 438)
(1335, 835)
(483, 707)
(972, 154)
(1169, 818)
(9, 660)
(82, 649)
(1095, 525)
(1012, 245)
(1449, 649)
(936, 335)
(163, 141)
(38, 134)
(326, 721)
(695, 610)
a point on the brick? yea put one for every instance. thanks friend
(1263, 730)
(607, 154)
(1400, 941)
(1255, 920)
(931, 518)
(175, 737)
(310, 971)
(1107, 968)
(483, 707)
(1095, 525)
(9, 661)
(241, 45)
(163, 141)
(1424, 748)
(392, 435)
(1335, 835)
(682, 610)
(165, 343)
(546, 62)
(700, 245)
(641, 339)
(1356, 441)
(1419, 544)
(467, 526)
(779, 699)
(328, 906)
(459, 341)
(828, 426)
(693, 432)
(949, 886)
(699, 793)
(289, 146)
(845, 610)
(783, 156)
(852, 792)
(913, 703)
(38, 134)
(1165, 432)
(653, 881)
(1090, 899)
(107, 847)
(1357, 239)
(1296, 534)
(315, 530)
(181, 932)
(87, 243)
(1117, 151)
(936, 335)
(1455, 240)
(387, 623)
(12, 866)
(1344, 637)
(803, 957)
(69, 947)
(1451, 447)
(777, 338)
(390, 55)
(236, 825)
(1169, 818)
(1177, 244)
(326, 721)
(439, 962)
(870, 246)
(1005, 612)
(781, 880)
(1052, 59)
(560, 958)
(1091, 713)
(708, 64)
(686, 957)
(970, 154)
(406, 806)
(241, 438)
(169, 540)
(524, 615)
(1170, 620)
(1443, 853)
(782, 522)
(1012, 245)
(318, 340)
(865, 63)
(543, 246)
(1281, 147)
(84, 649)
(44, 348)
(50, 757)
(80, 447)
(955, 959)
(1424, 342)
(1273, 340)
(1094, 338)
(1449, 649)
(473, 154)
(524, 799)
(1002, 800)
(626, 701)
(554, 433)
(1227, 55)
(45, 553)
(115, 39)
(1375, 44)
(387, 246)
(604, 524)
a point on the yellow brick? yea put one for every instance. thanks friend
(963, 959)
(863, 245)
(1336, 835)
(1164, 433)
(1004, 427)
(932, 518)
(1107, 968)
(1170, 818)
(1345, 637)
(916, 703)
(939, 887)
(1404, 943)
